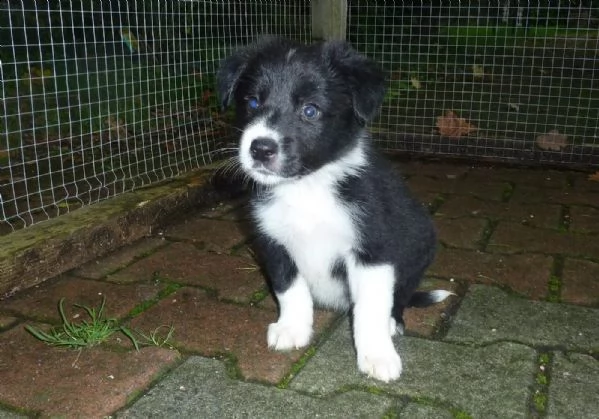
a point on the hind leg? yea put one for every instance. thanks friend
(401, 300)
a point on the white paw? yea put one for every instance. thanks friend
(384, 365)
(395, 328)
(285, 336)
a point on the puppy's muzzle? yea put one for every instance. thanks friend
(264, 150)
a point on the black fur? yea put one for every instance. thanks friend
(273, 81)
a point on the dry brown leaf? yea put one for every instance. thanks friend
(396, 75)
(416, 84)
(553, 141)
(116, 126)
(478, 71)
(452, 126)
(594, 176)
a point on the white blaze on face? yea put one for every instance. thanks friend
(257, 170)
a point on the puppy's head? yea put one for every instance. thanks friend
(299, 106)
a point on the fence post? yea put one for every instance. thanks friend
(329, 19)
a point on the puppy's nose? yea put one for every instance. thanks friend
(263, 149)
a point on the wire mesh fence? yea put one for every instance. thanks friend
(516, 80)
(99, 98)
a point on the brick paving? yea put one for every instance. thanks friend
(518, 246)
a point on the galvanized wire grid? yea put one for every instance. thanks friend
(507, 80)
(99, 98)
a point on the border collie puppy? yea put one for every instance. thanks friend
(335, 223)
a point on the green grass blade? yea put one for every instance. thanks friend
(129, 334)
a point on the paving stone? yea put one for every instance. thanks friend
(235, 209)
(547, 216)
(175, 262)
(214, 235)
(432, 169)
(419, 411)
(477, 370)
(484, 382)
(200, 388)
(488, 314)
(580, 282)
(99, 268)
(93, 382)
(5, 414)
(461, 232)
(488, 190)
(209, 327)
(582, 182)
(584, 219)
(574, 388)
(511, 237)
(424, 197)
(6, 321)
(41, 302)
(233, 277)
(541, 178)
(566, 196)
(421, 184)
(527, 274)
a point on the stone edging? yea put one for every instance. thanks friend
(34, 254)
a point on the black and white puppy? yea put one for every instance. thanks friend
(335, 222)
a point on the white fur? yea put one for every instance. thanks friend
(372, 292)
(314, 226)
(257, 170)
(290, 54)
(294, 327)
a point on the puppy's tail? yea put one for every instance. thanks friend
(427, 298)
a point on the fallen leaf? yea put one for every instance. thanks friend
(553, 141)
(207, 95)
(478, 71)
(170, 146)
(415, 82)
(4, 155)
(396, 75)
(117, 126)
(452, 126)
(594, 176)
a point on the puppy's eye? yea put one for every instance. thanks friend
(310, 112)
(253, 102)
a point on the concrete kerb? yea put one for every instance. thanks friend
(42, 251)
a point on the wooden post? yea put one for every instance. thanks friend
(329, 19)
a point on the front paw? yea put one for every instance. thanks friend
(384, 365)
(285, 336)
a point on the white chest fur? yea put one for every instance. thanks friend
(316, 228)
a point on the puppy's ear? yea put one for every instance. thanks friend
(232, 68)
(365, 79)
(228, 75)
